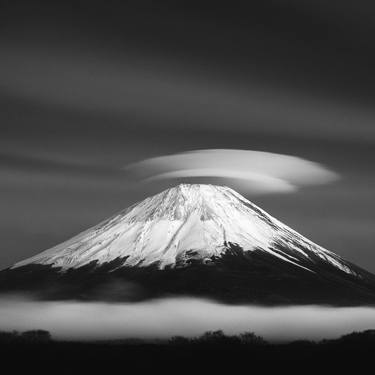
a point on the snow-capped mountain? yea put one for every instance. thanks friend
(180, 223)
(196, 239)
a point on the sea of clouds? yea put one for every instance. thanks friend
(164, 318)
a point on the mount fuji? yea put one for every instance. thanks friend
(195, 240)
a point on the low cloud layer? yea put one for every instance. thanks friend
(250, 171)
(187, 317)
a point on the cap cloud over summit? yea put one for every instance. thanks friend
(254, 172)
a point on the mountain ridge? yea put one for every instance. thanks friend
(192, 240)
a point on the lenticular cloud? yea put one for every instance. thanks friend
(252, 171)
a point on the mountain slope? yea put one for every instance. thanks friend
(193, 239)
(167, 227)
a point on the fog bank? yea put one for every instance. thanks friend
(180, 316)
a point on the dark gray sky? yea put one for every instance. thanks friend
(87, 87)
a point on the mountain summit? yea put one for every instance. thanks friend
(199, 239)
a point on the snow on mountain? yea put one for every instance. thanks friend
(187, 221)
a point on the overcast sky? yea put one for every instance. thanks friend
(89, 87)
